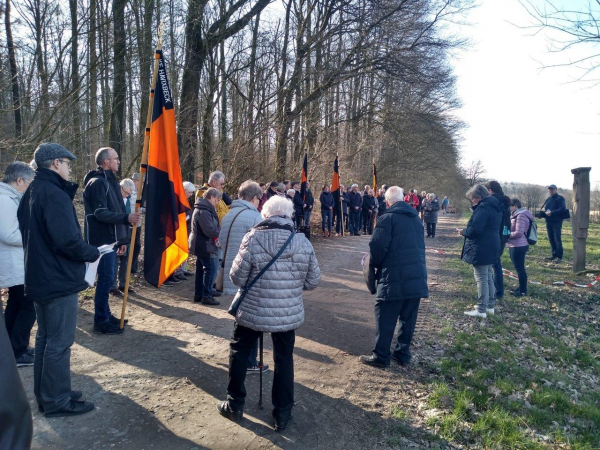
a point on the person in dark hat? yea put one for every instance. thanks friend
(55, 257)
(553, 212)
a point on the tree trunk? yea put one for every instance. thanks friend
(119, 81)
(14, 79)
(93, 84)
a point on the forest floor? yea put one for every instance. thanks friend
(524, 378)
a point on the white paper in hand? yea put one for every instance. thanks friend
(91, 269)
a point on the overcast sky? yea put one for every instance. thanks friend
(525, 124)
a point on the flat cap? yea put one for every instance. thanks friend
(48, 150)
(552, 186)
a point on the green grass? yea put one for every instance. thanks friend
(528, 377)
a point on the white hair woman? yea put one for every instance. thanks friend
(272, 303)
(431, 206)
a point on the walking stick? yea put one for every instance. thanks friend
(143, 168)
(260, 368)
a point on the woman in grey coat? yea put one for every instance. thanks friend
(273, 304)
(430, 208)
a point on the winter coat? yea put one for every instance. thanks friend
(520, 221)
(266, 196)
(274, 304)
(505, 222)
(412, 200)
(298, 204)
(245, 216)
(430, 210)
(345, 203)
(106, 221)
(310, 200)
(369, 205)
(55, 253)
(556, 204)
(355, 201)
(381, 207)
(12, 269)
(482, 236)
(205, 230)
(222, 207)
(397, 250)
(327, 201)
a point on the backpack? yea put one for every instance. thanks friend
(532, 233)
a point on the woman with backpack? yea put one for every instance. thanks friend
(518, 245)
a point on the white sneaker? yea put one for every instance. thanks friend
(475, 313)
(491, 311)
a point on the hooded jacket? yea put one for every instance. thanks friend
(12, 269)
(222, 207)
(106, 220)
(205, 229)
(430, 210)
(274, 304)
(245, 216)
(55, 253)
(482, 234)
(505, 222)
(520, 222)
(397, 250)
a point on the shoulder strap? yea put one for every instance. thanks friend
(262, 272)
(228, 234)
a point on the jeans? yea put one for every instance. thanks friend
(387, 313)
(486, 291)
(52, 366)
(431, 229)
(120, 270)
(307, 215)
(204, 269)
(326, 219)
(19, 317)
(354, 222)
(498, 275)
(215, 266)
(106, 277)
(243, 341)
(517, 256)
(554, 236)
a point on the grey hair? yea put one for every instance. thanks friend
(211, 193)
(354, 185)
(45, 164)
(291, 192)
(432, 195)
(103, 154)
(33, 164)
(188, 186)
(394, 194)
(477, 191)
(128, 183)
(216, 175)
(16, 170)
(277, 206)
(250, 189)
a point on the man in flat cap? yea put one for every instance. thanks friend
(55, 257)
(106, 222)
(553, 211)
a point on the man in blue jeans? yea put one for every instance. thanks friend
(106, 223)
(55, 257)
(554, 212)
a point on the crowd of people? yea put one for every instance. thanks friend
(252, 246)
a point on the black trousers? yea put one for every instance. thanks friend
(431, 228)
(137, 248)
(554, 230)
(387, 314)
(19, 317)
(242, 342)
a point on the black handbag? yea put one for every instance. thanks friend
(239, 298)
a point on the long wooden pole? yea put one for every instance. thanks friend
(143, 169)
(341, 199)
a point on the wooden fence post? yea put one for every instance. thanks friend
(581, 215)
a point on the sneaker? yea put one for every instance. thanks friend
(210, 301)
(475, 313)
(256, 369)
(172, 279)
(188, 274)
(117, 321)
(73, 408)
(75, 395)
(130, 290)
(491, 311)
(167, 283)
(226, 411)
(25, 360)
(107, 328)
(115, 292)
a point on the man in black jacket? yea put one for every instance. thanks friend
(309, 203)
(554, 212)
(355, 206)
(106, 222)
(55, 257)
(397, 251)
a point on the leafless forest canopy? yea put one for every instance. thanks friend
(255, 83)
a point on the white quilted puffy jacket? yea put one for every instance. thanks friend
(274, 304)
(12, 266)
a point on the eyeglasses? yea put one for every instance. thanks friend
(66, 161)
(125, 191)
(116, 159)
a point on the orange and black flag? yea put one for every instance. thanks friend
(335, 180)
(374, 179)
(166, 240)
(304, 178)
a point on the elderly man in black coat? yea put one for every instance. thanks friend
(398, 256)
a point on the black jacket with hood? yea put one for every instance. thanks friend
(505, 222)
(482, 235)
(106, 220)
(55, 252)
(205, 230)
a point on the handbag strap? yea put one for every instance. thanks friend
(262, 272)
(228, 234)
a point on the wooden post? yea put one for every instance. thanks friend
(581, 215)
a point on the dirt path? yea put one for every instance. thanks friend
(157, 385)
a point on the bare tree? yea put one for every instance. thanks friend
(533, 196)
(474, 173)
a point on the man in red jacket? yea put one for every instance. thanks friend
(412, 199)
